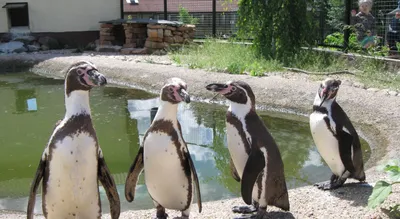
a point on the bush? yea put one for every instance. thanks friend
(185, 17)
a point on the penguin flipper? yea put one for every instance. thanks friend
(345, 144)
(133, 176)
(234, 172)
(254, 165)
(195, 180)
(35, 184)
(109, 186)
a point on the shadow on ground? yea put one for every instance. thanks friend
(358, 193)
(269, 215)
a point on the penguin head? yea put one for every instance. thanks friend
(235, 91)
(174, 91)
(328, 89)
(83, 75)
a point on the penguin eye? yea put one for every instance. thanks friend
(171, 89)
(234, 88)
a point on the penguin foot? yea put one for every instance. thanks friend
(165, 216)
(244, 209)
(261, 213)
(327, 185)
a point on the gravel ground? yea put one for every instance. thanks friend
(377, 111)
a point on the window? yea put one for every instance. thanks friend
(17, 14)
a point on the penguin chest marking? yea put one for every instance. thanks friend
(236, 148)
(165, 177)
(72, 188)
(326, 142)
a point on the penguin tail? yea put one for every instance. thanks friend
(282, 202)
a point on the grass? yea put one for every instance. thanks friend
(240, 59)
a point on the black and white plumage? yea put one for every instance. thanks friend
(170, 175)
(335, 137)
(255, 157)
(72, 162)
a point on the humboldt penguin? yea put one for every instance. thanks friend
(255, 158)
(72, 163)
(335, 137)
(170, 175)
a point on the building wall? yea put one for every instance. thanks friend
(64, 15)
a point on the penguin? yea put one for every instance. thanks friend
(335, 137)
(255, 158)
(73, 162)
(170, 175)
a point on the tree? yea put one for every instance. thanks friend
(278, 27)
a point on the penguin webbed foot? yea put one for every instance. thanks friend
(261, 213)
(165, 216)
(248, 209)
(334, 183)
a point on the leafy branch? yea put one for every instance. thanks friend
(383, 189)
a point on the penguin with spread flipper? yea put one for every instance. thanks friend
(255, 158)
(73, 163)
(169, 172)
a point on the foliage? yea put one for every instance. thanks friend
(225, 57)
(279, 28)
(185, 17)
(335, 15)
(383, 189)
(238, 58)
(337, 39)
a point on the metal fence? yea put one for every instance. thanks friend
(214, 18)
(342, 24)
(339, 22)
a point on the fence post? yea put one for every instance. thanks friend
(165, 10)
(346, 34)
(214, 18)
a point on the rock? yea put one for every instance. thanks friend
(177, 33)
(155, 26)
(91, 46)
(50, 42)
(12, 47)
(105, 48)
(373, 89)
(7, 37)
(160, 33)
(152, 33)
(178, 39)
(359, 85)
(167, 33)
(186, 36)
(139, 51)
(170, 28)
(44, 47)
(169, 39)
(21, 50)
(106, 26)
(33, 48)
(25, 39)
(126, 51)
(393, 93)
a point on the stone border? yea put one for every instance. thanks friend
(378, 111)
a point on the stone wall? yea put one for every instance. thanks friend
(135, 35)
(106, 35)
(139, 38)
(161, 36)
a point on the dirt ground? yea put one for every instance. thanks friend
(375, 113)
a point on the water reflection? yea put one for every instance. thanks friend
(121, 118)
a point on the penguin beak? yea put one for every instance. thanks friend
(97, 78)
(185, 96)
(324, 96)
(216, 87)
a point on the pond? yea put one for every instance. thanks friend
(31, 105)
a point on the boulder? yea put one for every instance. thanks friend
(25, 39)
(33, 48)
(49, 42)
(13, 46)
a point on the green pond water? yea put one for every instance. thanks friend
(31, 105)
